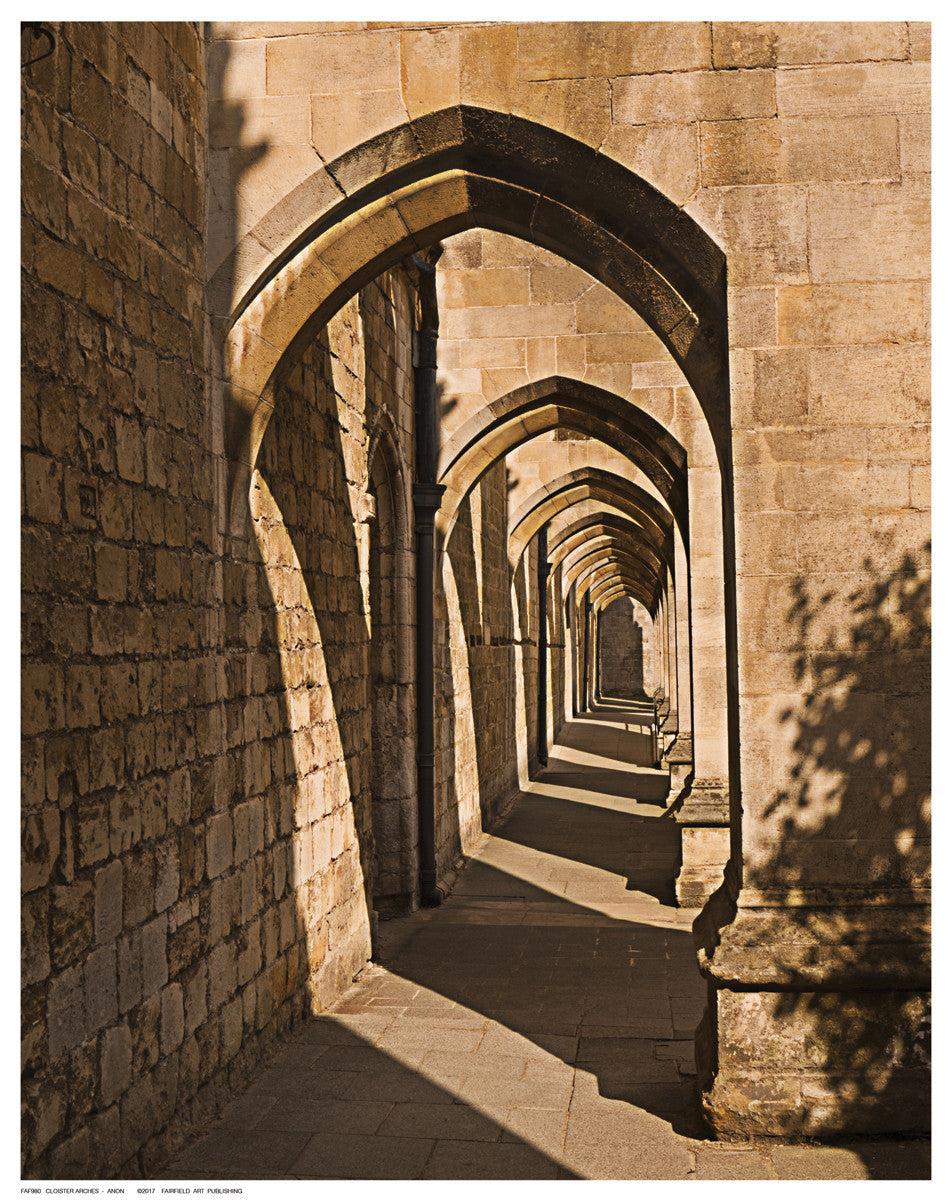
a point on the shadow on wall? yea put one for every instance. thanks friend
(322, 640)
(476, 552)
(862, 733)
(855, 811)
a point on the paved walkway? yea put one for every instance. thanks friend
(538, 1025)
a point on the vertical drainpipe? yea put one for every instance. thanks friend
(427, 494)
(542, 576)
(585, 651)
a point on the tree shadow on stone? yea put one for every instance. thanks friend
(852, 838)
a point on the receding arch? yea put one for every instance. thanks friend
(622, 529)
(597, 483)
(614, 592)
(607, 585)
(606, 545)
(558, 402)
(614, 559)
(597, 582)
(438, 175)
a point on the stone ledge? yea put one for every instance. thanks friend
(831, 947)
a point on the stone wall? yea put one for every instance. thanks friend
(122, 595)
(626, 649)
(197, 818)
(489, 692)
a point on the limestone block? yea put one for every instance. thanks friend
(108, 902)
(488, 61)
(841, 486)
(557, 284)
(500, 382)
(138, 886)
(695, 96)
(880, 538)
(155, 967)
(71, 921)
(915, 147)
(66, 1011)
(40, 847)
(664, 155)
(472, 288)
(802, 1063)
(101, 989)
(579, 108)
(83, 686)
(362, 61)
(487, 352)
(429, 69)
(752, 316)
(920, 40)
(762, 229)
(172, 1019)
(797, 150)
(622, 348)
(219, 844)
(269, 121)
(167, 877)
(222, 975)
(99, 289)
(765, 673)
(920, 487)
(137, 1113)
(844, 314)
(792, 43)
(237, 69)
(43, 485)
(59, 266)
(232, 1025)
(532, 321)
(502, 250)
(770, 387)
(341, 121)
(599, 49)
(115, 1063)
(540, 361)
(847, 220)
(767, 545)
(858, 90)
(894, 443)
(34, 939)
(840, 391)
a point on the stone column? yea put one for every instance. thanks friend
(702, 808)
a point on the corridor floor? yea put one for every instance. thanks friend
(538, 1025)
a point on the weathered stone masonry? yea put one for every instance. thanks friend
(219, 319)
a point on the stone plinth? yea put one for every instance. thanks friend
(705, 840)
(818, 1018)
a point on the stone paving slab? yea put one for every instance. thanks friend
(538, 1025)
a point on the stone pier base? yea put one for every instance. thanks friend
(705, 842)
(815, 1064)
(704, 851)
(809, 1034)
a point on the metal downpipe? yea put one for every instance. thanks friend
(427, 495)
(542, 577)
